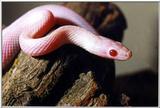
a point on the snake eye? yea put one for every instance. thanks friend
(113, 53)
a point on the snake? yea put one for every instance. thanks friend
(31, 34)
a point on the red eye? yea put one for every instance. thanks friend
(113, 52)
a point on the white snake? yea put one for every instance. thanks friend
(28, 32)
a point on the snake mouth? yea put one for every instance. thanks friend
(125, 57)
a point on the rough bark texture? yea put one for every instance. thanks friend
(82, 93)
(53, 79)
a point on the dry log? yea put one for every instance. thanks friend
(49, 80)
(83, 93)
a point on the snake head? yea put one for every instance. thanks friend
(113, 49)
(119, 52)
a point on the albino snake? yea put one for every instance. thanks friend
(27, 33)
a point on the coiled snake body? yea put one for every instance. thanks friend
(28, 32)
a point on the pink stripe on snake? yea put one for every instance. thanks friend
(28, 32)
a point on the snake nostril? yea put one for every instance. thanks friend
(129, 54)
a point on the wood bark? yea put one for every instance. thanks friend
(53, 79)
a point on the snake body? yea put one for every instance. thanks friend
(27, 33)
